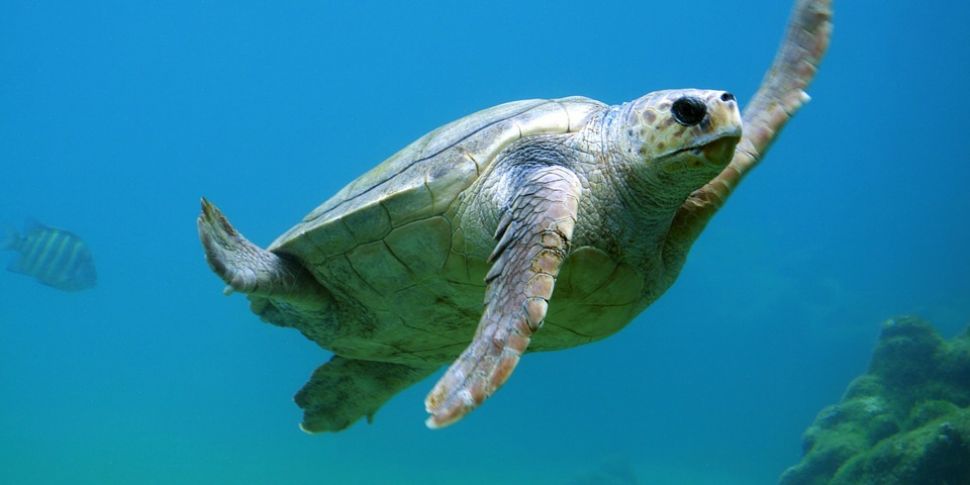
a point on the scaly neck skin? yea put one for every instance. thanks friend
(636, 201)
(644, 188)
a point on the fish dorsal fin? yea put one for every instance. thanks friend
(31, 225)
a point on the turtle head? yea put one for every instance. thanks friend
(678, 138)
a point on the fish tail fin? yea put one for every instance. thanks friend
(10, 239)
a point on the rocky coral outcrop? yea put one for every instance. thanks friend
(906, 421)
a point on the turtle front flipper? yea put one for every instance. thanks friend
(344, 390)
(247, 268)
(533, 240)
(781, 94)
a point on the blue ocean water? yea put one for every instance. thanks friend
(115, 117)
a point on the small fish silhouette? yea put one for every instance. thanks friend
(54, 257)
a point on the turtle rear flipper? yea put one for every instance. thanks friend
(344, 390)
(247, 268)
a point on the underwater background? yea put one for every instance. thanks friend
(115, 117)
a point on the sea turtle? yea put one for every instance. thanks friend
(602, 202)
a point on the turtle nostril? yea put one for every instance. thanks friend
(689, 110)
(727, 97)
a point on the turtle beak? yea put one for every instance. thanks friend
(722, 149)
(712, 146)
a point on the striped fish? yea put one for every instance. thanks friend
(54, 257)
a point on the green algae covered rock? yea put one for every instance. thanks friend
(906, 421)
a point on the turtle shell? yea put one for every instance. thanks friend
(425, 178)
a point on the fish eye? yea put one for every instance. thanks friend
(689, 110)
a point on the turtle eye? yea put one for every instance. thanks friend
(689, 110)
